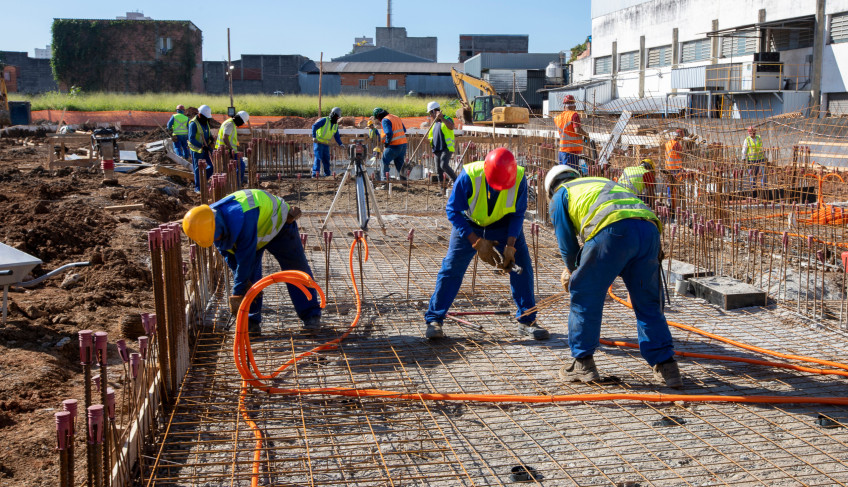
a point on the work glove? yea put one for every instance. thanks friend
(508, 258)
(486, 250)
(661, 255)
(235, 302)
(565, 279)
(294, 214)
(174, 138)
(314, 140)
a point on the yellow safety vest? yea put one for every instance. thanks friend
(594, 203)
(446, 132)
(326, 132)
(633, 178)
(196, 144)
(478, 207)
(180, 126)
(222, 141)
(273, 212)
(755, 148)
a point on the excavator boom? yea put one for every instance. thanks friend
(486, 109)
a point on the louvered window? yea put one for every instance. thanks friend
(796, 35)
(628, 61)
(739, 46)
(839, 28)
(659, 56)
(692, 51)
(603, 65)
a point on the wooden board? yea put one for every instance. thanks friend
(173, 171)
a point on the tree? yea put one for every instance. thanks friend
(579, 49)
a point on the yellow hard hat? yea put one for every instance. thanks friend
(199, 225)
(648, 164)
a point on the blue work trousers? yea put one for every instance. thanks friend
(322, 157)
(288, 250)
(627, 248)
(196, 157)
(393, 154)
(460, 253)
(569, 159)
(181, 147)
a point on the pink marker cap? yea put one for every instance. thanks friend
(135, 359)
(95, 424)
(63, 429)
(785, 237)
(96, 382)
(844, 261)
(85, 346)
(411, 234)
(143, 343)
(122, 350)
(101, 340)
(70, 405)
(810, 241)
(110, 402)
(303, 238)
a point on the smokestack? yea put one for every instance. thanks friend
(388, 13)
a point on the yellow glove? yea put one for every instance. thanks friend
(565, 279)
(235, 302)
(508, 258)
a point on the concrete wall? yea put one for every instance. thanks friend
(31, 75)
(472, 44)
(396, 38)
(255, 73)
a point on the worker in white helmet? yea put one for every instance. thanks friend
(200, 144)
(441, 140)
(228, 138)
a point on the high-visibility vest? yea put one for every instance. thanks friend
(755, 148)
(196, 143)
(222, 137)
(180, 126)
(633, 178)
(569, 139)
(673, 160)
(398, 135)
(446, 132)
(594, 203)
(478, 204)
(273, 212)
(326, 132)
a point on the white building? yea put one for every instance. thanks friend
(728, 58)
(45, 53)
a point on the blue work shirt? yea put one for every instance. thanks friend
(192, 129)
(566, 236)
(170, 125)
(320, 123)
(458, 203)
(387, 128)
(236, 230)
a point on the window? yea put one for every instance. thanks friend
(363, 84)
(628, 61)
(692, 51)
(739, 46)
(795, 36)
(839, 28)
(392, 85)
(603, 65)
(164, 45)
(659, 56)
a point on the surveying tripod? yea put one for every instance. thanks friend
(364, 189)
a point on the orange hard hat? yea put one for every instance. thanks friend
(500, 169)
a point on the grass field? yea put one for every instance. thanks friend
(289, 105)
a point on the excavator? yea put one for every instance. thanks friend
(488, 109)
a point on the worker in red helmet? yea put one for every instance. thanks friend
(178, 126)
(486, 209)
(571, 134)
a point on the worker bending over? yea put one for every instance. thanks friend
(621, 237)
(486, 209)
(571, 134)
(324, 130)
(640, 180)
(441, 140)
(178, 126)
(200, 143)
(242, 226)
(228, 139)
(393, 135)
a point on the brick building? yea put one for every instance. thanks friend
(128, 55)
(255, 73)
(24, 74)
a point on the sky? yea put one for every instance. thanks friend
(311, 27)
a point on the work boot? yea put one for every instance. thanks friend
(254, 327)
(668, 373)
(434, 330)
(533, 330)
(580, 370)
(312, 323)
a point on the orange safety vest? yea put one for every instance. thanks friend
(673, 160)
(398, 134)
(569, 139)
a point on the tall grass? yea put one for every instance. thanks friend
(288, 105)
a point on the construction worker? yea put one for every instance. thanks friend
(621, 237)
(640, 180)
(441, 140)
(673, 166)
(393, 137)
(754, 155)
(178, 127)
(486, 209)
(242, 226)
(571, 134)
(200, 143)
(228, 138)
(324, 130)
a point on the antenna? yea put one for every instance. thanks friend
(388, 13)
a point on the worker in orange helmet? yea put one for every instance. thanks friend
(486, 208)
(571, 134)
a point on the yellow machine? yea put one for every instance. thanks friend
(5, 114)
(487, 109)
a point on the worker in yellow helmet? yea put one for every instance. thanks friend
(242, 226)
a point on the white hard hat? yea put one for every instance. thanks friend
(243, 116)
(205, 111)
(433, 105)
(558, 175)
(336, 111)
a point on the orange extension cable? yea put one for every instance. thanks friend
(252, 376)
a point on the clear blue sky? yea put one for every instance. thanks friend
(310, 27)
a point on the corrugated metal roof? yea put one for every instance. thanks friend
(375, 67)
(648, 105)
(381, 55)
(501, 60)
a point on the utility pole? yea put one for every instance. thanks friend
(818, 53)
(231, 112)
(320, 80)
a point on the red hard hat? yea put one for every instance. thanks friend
(751, 128)
(500, 169)
(180, 107)
(568, 99)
